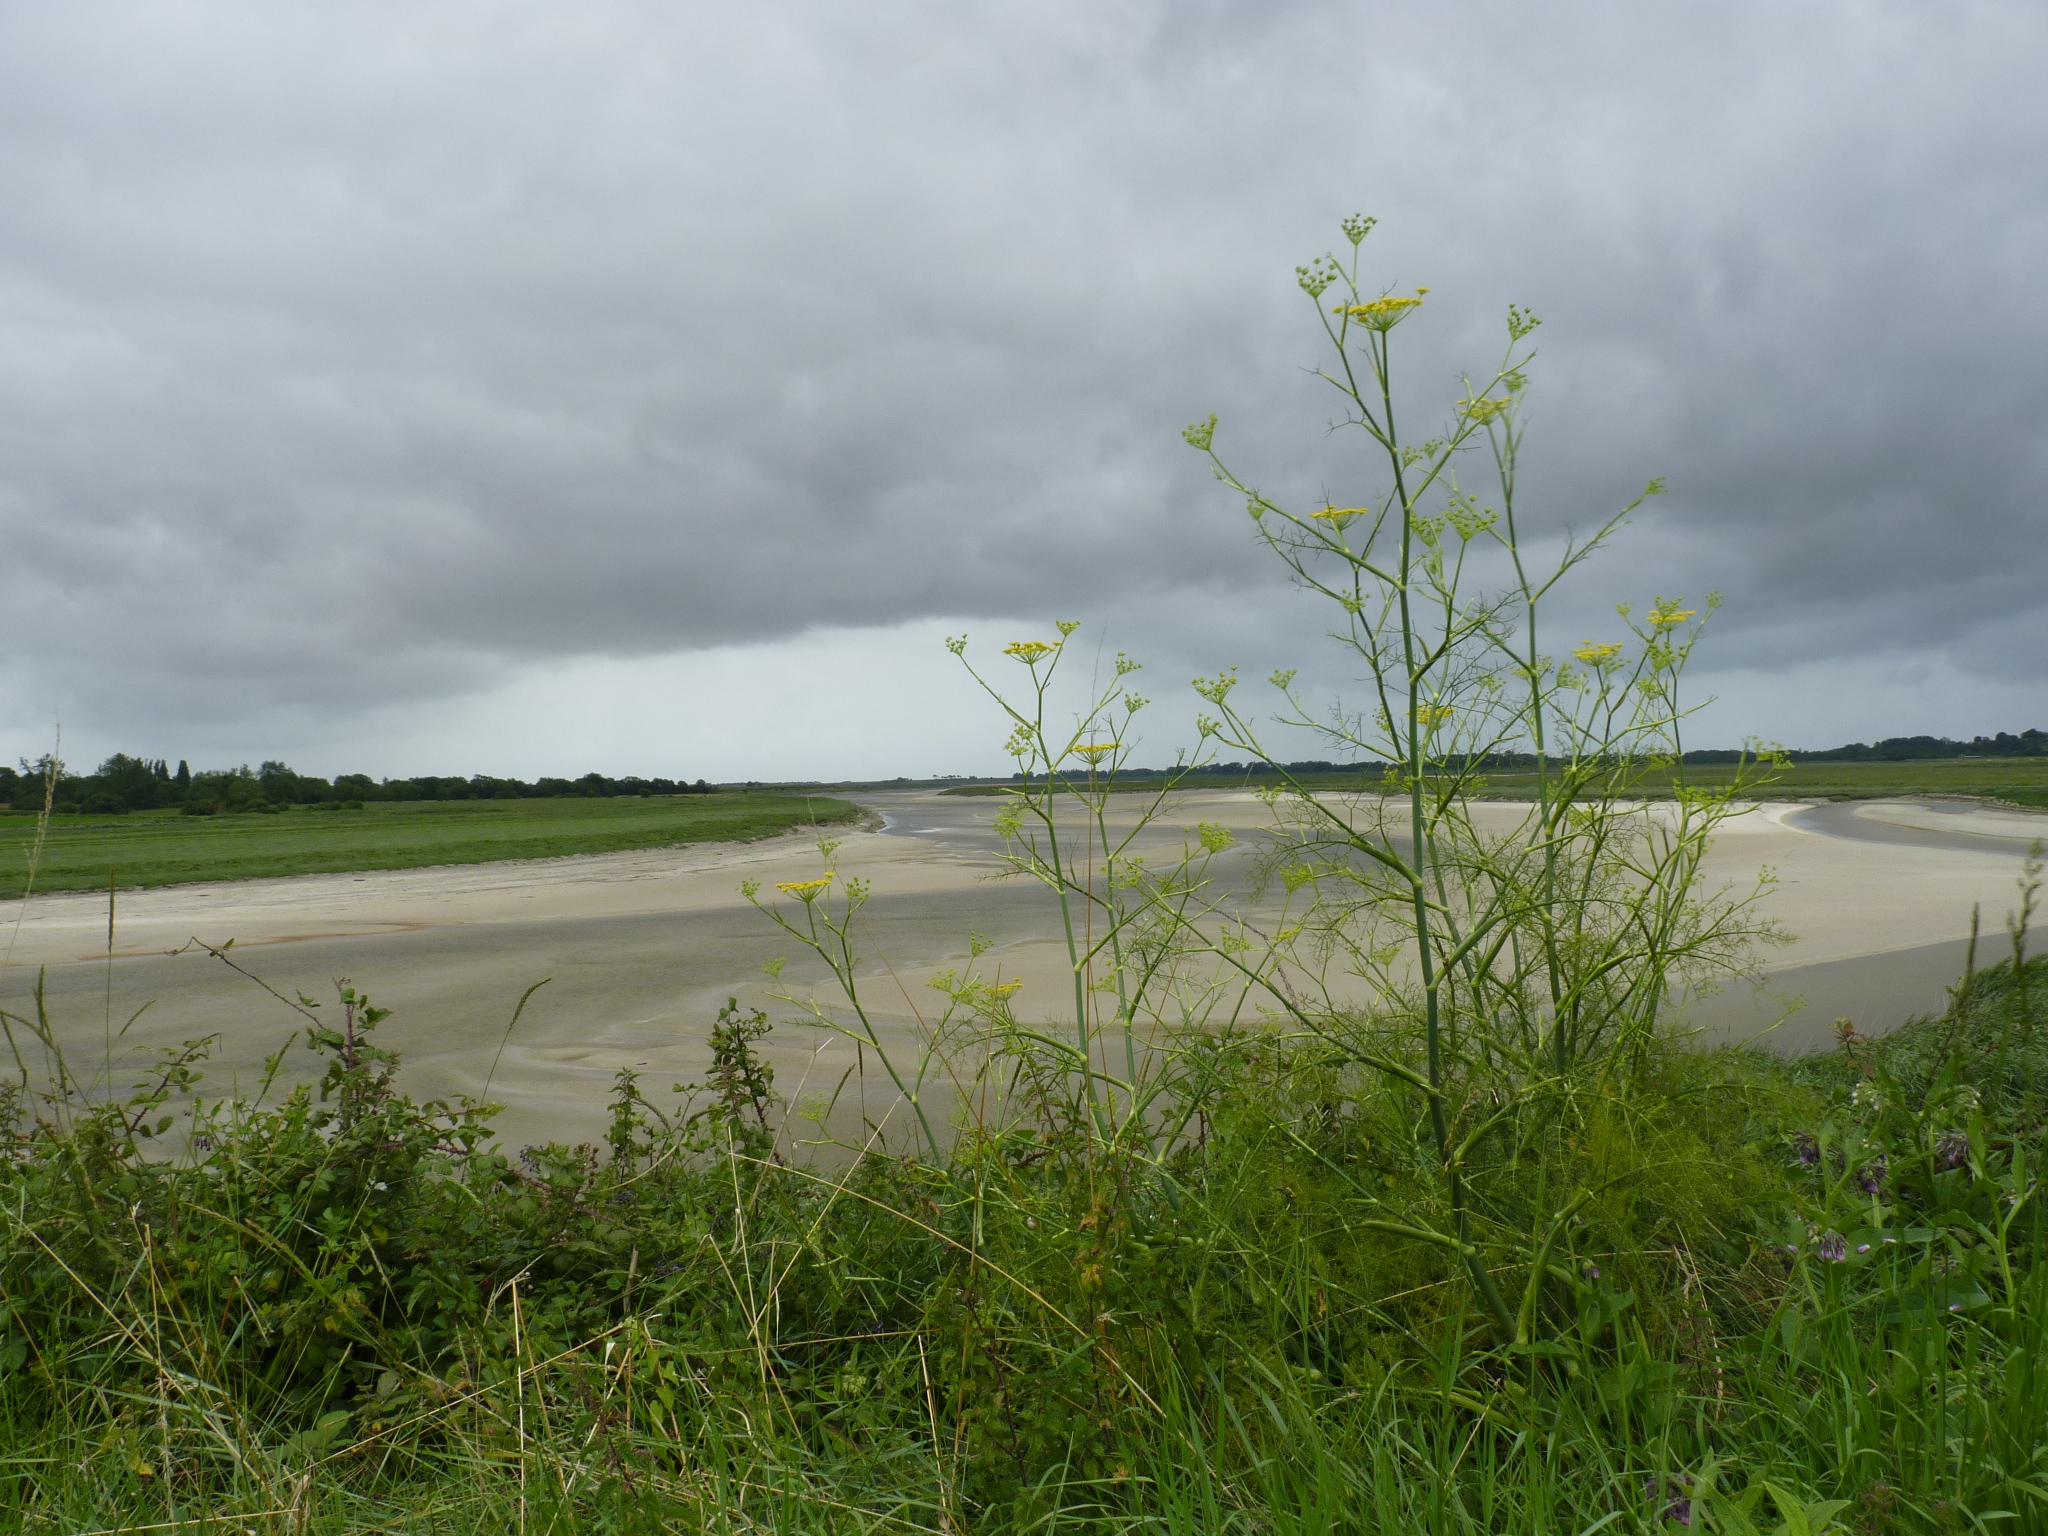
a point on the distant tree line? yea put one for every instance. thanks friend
(1909, 749)
(1893, 749)
(123, 783)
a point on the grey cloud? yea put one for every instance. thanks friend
(352, 356)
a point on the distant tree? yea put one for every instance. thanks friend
(231, 789)
(284, 787)
(121, 783)
(48, 772)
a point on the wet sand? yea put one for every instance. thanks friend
(641, 948)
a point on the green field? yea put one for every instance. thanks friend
(2014, 780)
(165, 848)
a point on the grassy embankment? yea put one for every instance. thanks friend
(2014, 780)
(164, 848)
(1795, 1298)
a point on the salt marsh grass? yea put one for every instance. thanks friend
(164, 848)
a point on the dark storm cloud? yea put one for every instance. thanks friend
(350, 355)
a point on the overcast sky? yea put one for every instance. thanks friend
(527, 388)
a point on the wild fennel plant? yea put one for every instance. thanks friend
(1541, 956)
(1536, 957)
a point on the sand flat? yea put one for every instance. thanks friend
(641, 949)
(71, 926)
(1958, 818)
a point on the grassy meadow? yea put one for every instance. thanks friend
(2012, 780)
(149, 848)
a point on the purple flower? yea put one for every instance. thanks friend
(1592, 1271)
(1870, 1177)
(1952, 1151)
(1805, 1148)
(1833, 1247)
(1680, 1506)
(202, 1143)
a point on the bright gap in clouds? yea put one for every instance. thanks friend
(836, 703)
(864, 704)
(831, 703)
(878, 703)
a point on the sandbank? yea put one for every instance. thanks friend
(641, 948)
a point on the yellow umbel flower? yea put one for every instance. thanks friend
(1381, 314)
(1338, 514)
(1095, 749)
(1596, 653)
(1433, 714)
(804, 890)
(1004, 988)
(1027, 651)
(1671, 618)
